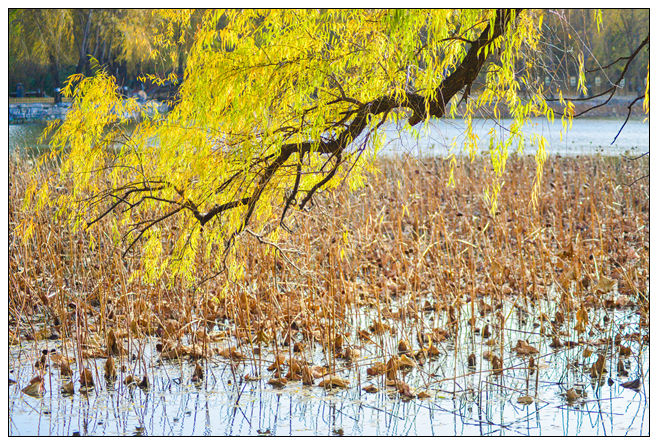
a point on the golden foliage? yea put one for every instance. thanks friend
(274, 105)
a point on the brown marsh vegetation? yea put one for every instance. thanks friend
(405, 286)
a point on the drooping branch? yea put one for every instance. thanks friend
(613, 89)
(422, 107)
(123, 200)
(293, 193)
(322, 182)
(628, 58)
(628, 116)
(356, 118)
(148, 225)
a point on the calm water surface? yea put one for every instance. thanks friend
(586, 136)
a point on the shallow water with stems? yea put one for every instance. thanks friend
(459, 399)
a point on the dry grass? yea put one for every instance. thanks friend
(421, 265)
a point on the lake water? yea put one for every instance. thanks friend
(586, 136)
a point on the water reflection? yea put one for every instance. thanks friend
(251, 408)
(466, 400)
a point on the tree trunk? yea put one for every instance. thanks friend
(97, 43)
(181, 65)
(83, 58)
(53, 67)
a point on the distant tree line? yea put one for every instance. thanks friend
(48, 45)
(603, 41)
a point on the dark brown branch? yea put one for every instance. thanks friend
(465, 74)
(205, 217)
(638, 179)
(151, 224)
(293, 194)
(461, 39)
(421, 106)
(122, 199)
(613, 89)
(322, 182)
(132, 205)
(646, 153)
(646, 41)
(628, 115)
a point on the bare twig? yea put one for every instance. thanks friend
(637, 180)
(628, 115)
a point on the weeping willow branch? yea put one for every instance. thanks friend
(422, 107)
(272, 134)
(613, 89)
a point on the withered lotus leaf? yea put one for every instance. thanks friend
(333, 381)
(525, 400)
(524, 348)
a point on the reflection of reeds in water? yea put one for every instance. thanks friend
(226, 407)
(406, 285)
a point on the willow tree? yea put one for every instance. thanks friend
(276, 106)
(42, 36)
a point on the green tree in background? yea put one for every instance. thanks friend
(126, 43)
